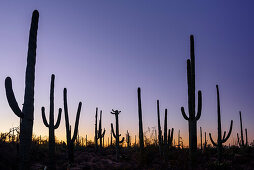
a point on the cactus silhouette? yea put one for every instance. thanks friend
(220, 139)
(192, 119)
(50, 125)
(168, 138)
(241, 142)
(159, 127)
(100, 133)
(96, 132)
(201, 145)
(70, 141)
(116, 135)
(205, 143)
(141, 138)
(128, 139)
(27, 113)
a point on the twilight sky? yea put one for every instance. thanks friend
(101, 51)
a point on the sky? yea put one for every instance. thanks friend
(102, 51)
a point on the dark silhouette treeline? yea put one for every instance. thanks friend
(162, 153)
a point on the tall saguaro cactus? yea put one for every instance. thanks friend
(100, 133)
(220, 139)
(168, 138)
(51, 125)
(141, 138)
(116, 135)
(70, 141)
(192, 119)
(96, 132)
(241, 142)
(27, 113)
(159, 127)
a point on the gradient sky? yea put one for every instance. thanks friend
(101, 51)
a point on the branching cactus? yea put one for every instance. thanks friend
(27, 113)
(116, 135)
(225, 137)
(51, 125)
(141, 138)
(100, 133)
(168, 138)
(193, 117)
(128, 139)
(241, 142)
(70, 141)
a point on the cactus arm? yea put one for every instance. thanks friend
(199, 105)
(11, 98)
(214, 144)
(229, 133)
(224, 135)
(103, 133)
(77, 122)
(58, 119)
(121, 140)
(44, 117)
(112, 129)
(238, 140)
(184, 114)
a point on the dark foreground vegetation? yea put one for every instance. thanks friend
(129, 158)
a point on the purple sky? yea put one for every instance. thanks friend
(101, 51)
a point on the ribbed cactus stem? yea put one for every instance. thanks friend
(116, 135)
(192, 119)
(141, 138)
(70, 141)
(220, 140)
(51, 125)
(27, 113)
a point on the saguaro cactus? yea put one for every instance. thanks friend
(96, 132)
(168, 138)
(116, 135)
(27, 113)
(51, 125)
(70, 141)
(201, 145)
(128, 139)
(241, 142)
(100, 133)
(159, 127)
(205, 142)
(141, 138)
(192, 119)
(220, 139)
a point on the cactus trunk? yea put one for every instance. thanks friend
(27, 113)
(220, 139)
(141, 138)
(192, 119)
(70, 141)
(51, 125)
